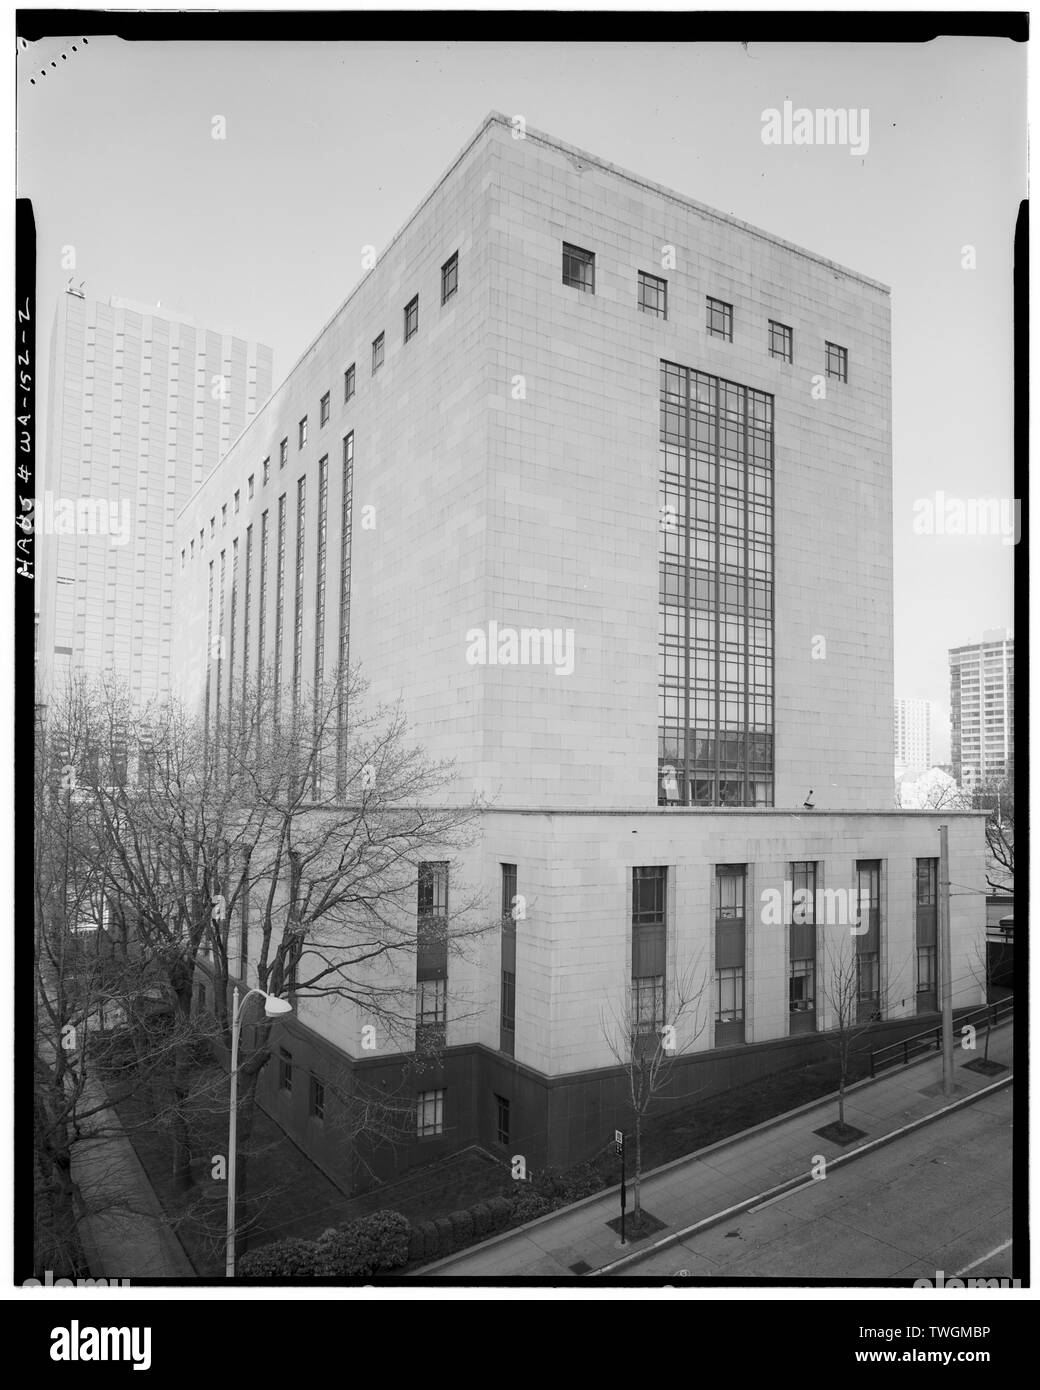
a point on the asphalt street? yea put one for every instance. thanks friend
(939, 1199)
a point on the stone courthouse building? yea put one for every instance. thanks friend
(629, 465)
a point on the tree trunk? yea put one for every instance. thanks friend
(637, 1176)
(841, 1097)
(246, 1115)
(182, 1178)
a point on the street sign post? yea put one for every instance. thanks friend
(619, 1145)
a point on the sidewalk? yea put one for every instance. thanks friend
(735, 1173)
(124, 1231)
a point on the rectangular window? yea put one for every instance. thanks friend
(378, 347)
(715, 606)
(316, 1099)
(349, 378)
(223, 515)
(411, 318)
(284, 1069)
(867, 984)
(926, 971)
(303, 432)
(653, 295)
(837, 362)
(238, 501)
(279, 604)
(343, 650)
(431, 1016)
(720, 319)
(502, 1119)
(803, 986)
(430, 1114)
(261, 608)
(510, 907)
(325, 408)
(283, 453)
(781, 341)
(301, 505)
(579, 268)
(212, 527)
(266, 471)
(432, 922)
(182, 558)
(232, 622)
(508, 892)
(648, 948)
(802, 980)
(251, 488)
(729, 981)
(926, 932)
(319, 593)
(508, 1004)
(730, 949)
(449, 277)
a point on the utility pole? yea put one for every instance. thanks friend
(945, 972)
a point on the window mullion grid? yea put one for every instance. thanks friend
(745, 625)
(715, 798)
(687, 784)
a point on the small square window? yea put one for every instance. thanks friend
(411, 318)
(449, 277)
(316, 1099)
(283, 453)
(251, 488)
(267, 471)
(579, 268)
(284, 1069)
(378, 350)
(429, 1114)
(720, 319)
(325, 408)
(303, 432)
(348, 383)
(781, 341)
(837, 362)
(653, 295)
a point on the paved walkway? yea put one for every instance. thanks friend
(124, 1231)
(729, 1176)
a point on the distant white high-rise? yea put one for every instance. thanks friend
(982, 709)
(913, 734)
(143, 405)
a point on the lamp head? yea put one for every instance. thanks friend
(275, 1007)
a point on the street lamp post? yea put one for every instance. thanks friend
(273, 1008)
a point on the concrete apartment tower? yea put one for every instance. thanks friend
(982, 709)
(143, 405)
(614, 475)
(913, 734)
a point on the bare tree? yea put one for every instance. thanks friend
(643, 1034)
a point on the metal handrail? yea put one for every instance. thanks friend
(932, 1037)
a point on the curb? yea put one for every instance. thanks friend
(447, 1260)
(772, 1192)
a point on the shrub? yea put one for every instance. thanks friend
(445, 1234)
(462, 1228)
(500, 1211)
(481, 1214)
(528, 1205)
(376, 1242)
(291, 1258)
(425, 1243)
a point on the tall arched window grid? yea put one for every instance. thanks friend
(715, 706)
(344, 611)
(319, 612)
(279, 605)
(301, 530)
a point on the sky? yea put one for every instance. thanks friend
(330, 146)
